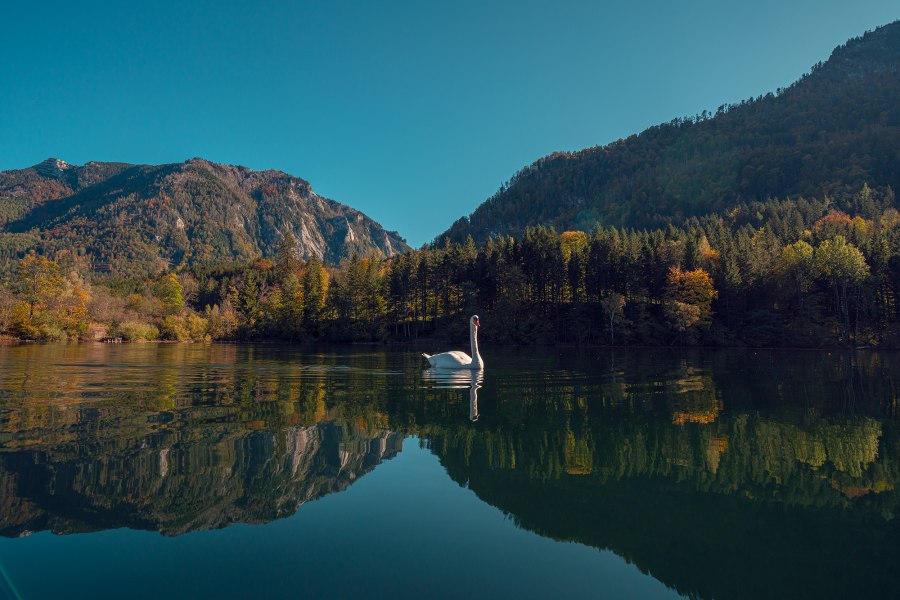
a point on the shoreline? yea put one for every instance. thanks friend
(9, 341)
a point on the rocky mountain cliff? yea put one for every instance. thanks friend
(835, 129)
(127, 218)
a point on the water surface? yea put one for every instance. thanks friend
(235, 471)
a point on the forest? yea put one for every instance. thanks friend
(831, 131)
(799, 273)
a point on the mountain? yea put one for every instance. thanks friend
(128, 218)
(833, 130)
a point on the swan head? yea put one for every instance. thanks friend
(474, 321)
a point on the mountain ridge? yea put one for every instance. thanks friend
(120, 216)
(834, 129)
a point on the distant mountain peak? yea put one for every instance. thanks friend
(52, 167)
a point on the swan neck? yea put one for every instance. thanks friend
(473, 338)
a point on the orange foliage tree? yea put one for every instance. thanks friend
(689, 296)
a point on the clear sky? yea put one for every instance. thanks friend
(413, 112)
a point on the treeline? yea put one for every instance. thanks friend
(778, 273)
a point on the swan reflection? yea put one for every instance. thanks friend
(457, 379)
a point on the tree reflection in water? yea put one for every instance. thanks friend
(727, 474)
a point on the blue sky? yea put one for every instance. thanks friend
(413, 112)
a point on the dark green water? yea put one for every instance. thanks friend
(191, 471)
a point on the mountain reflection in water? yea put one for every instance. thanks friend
(726, 474)
(175, 481)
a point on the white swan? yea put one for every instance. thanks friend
(460, 360)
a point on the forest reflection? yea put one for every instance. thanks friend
(724, 474)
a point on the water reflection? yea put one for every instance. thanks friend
(455, 379)
(179, 481)
(723, 474)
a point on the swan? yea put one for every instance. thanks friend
(460, 360)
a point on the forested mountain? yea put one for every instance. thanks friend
(835, 129)
(130, 219)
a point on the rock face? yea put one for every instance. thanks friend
(122, 217)
(52, 168)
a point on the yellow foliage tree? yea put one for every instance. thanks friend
(572, 241)
(689, 296)
(41, 289)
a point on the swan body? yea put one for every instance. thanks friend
(449, 360)
(460, 360)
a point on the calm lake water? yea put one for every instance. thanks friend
(220, 471)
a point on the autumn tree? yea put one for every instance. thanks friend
(7, 306)
(170, 291)
(682, 315)
(574, 248)
(795, 267)
(38, 284)
(73, 315)
(835, 223)
(843, 266)
(689, 296)
(40, 287)
(50, 306)
(314, 287)
(223, 320)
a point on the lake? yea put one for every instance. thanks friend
(235, 471)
